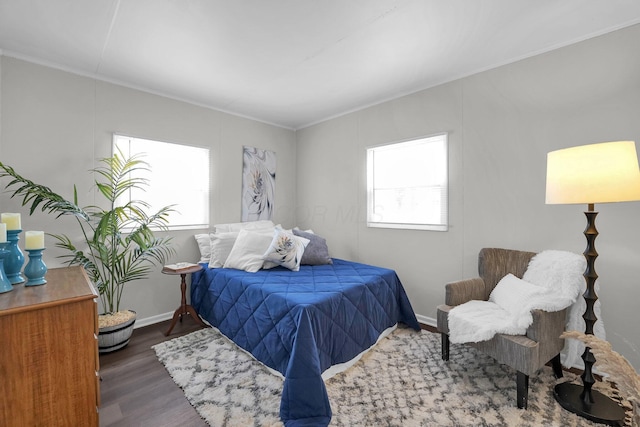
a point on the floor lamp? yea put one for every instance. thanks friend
(597, 173)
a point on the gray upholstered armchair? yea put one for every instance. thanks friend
(525, 353)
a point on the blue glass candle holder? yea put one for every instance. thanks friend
(5, 283)
(36, 268)
(14, 261)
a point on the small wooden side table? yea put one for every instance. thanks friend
(184, 307)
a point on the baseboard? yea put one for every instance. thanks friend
(140, 323)
(429, 321)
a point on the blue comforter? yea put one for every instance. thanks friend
(301, 323)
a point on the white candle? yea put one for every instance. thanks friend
(34, 240)
(12, 220)
(3, 232)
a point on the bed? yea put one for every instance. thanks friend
(300, 323)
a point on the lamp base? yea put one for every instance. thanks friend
(603, 410)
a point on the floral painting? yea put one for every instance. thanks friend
(258, 183)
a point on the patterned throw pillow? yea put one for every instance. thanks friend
(286, 249)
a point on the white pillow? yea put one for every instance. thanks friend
(515, 295)
(248, 249)
(204, 246)
(286, 249)
(237, 226)
(221, 245)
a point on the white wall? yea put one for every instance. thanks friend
(54, 125)
(501, 124)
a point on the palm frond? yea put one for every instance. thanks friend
(119, 176)
(36, 195)
(120, 243)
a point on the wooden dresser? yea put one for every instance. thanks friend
(49, 352)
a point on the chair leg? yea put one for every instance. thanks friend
(522, 386)
(557, 366)
(445, 346)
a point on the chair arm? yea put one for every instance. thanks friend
(547, 326)
(457, 293)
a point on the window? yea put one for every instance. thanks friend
(178, 175)
(407, 184)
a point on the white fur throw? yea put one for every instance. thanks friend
(552, 282)
(571, 355)
(561, 273)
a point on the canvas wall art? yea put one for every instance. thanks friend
(258, 183)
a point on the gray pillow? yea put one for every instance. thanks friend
(316, 252)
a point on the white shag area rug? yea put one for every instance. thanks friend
(402, 382)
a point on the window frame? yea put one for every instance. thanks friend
(371, 204)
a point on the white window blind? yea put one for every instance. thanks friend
(178, 175)
(407, 184)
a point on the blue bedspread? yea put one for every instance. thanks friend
(301, 323)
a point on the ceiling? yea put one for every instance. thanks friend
(293, 63)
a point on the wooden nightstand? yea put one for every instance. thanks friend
(184, 307)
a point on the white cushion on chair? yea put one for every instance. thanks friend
(508, 311)
(514, 294)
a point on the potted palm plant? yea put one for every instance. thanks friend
(118, 245)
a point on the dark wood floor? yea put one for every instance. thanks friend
(136, 390)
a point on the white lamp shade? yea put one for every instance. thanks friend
(596, 173)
